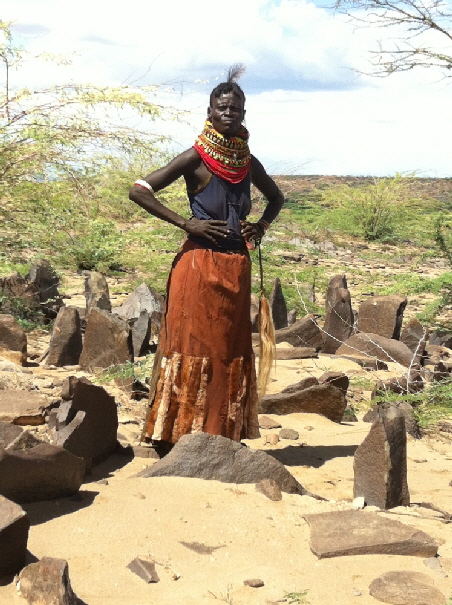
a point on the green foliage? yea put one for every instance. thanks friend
(375, 211)
(299, 598)
(25, 311)
(430, 406)
(139, 370)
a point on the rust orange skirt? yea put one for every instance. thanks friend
(206, 379)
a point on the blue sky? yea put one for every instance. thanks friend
(308, 110)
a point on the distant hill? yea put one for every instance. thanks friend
(310, 185)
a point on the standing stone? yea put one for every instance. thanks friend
(142, 299)
(339, 318)
(14, 527)
(43, 472)
(96, 292)
(45, 281)
(66, 342)
(291, 317)
(47, 582)
(107, 341)
(141, 334)
(376, 346)
(13, 340)
(406, 588)
(382, 315)
(415, 336)
(278, 305)
(91, 425)
(380, 463)
(303, 333)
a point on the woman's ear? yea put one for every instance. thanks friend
(208, 112)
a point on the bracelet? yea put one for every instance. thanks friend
(144, 184)
(263, 225)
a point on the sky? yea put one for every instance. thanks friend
(309, 111)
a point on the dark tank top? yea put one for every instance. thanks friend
(223, 201)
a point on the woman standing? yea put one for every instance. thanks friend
(205, 379)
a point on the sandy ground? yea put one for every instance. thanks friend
(209, 537)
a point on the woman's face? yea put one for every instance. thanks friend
(226, 114)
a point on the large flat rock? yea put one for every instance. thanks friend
(406, 588)
(22, 407)
(350, 532)
(43, 472)
(214, 457)
(324, 399)
(377, 347)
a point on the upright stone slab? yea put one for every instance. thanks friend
(43, 472)
(415, 337)
(90, 429)
(14, 527)
(339, 318)
(377, 347)
(141, 334)
(142, 298)
(278, 305)
(13, 340)
(382, 315)
(66, 342)
(107, 341)
(380, 463)
(45, 282)
(303, 333)
(47, 582)
(96, 292)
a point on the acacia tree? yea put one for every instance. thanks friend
(422, 28)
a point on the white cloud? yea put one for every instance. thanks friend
(305, 102)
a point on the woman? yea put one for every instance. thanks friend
(205, 376)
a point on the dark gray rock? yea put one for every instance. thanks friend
(254, 583)
(91, 425)
(141, 334)
(440, 372)
(303, 333)
(377, 347)
(96, 292)
(43, 472)
(144, 568)
(289, 434)
(382, 315)
(14, 437)
(22, 407)
(14, 526)
(355, 532)
(278, 305)
(13, 340)
(265, 422)
(324, 399)
(304, 383)
(270, 489)
(380, 463)
(401, 385)
(339, 318)
(406, 588)
(215, 457)
(337, 379)
(66, 342)
(47, 582)
(44, 280)
(411, 425)
(107, 341)
(67, 388)
(142, 299)
(291, 317)
(415, 336)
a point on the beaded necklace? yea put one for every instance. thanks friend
(230, 159)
